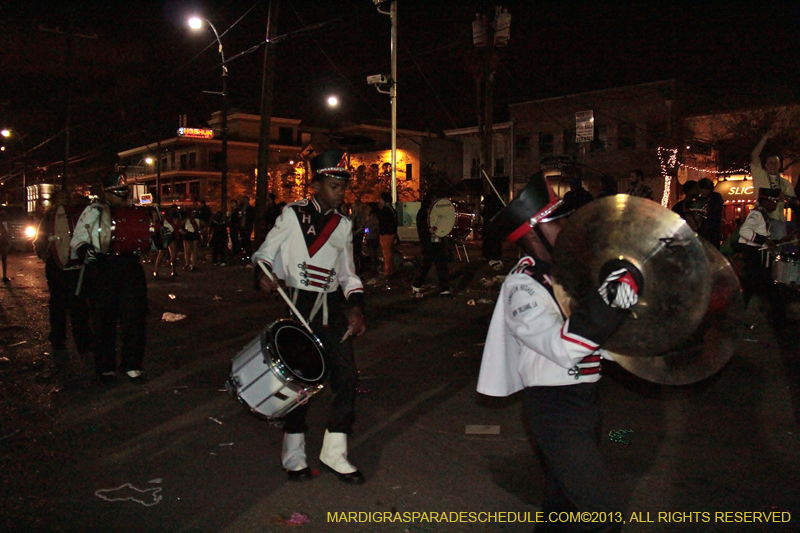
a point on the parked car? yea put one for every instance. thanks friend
(21, 227)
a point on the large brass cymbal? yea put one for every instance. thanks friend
(712, 345)
(661, 245)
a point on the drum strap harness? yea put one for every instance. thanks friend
(320, 303)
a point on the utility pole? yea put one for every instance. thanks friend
(264, 139)
(70, 34)
(499, 29)
(392, 87)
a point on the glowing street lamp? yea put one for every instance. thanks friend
(196, 23)
(333, 101)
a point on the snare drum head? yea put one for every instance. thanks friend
(63, 225)
(442, 217)
(105, 229)
(300, 353)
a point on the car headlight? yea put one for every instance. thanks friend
(30, 232)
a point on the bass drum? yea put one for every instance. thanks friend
(448, 218)
(278, 371)
(125, 230)
(62, 226)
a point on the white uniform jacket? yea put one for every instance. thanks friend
(762, 180)
(87, 229)
(529, 343)
(311, 250)
(755, 229)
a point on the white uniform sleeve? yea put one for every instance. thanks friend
(85, 228)
(269, 250)
(753, 230)
(539, 326)
(345, 267)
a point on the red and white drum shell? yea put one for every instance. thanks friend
(128, 230)
(62, 226)
(450, 218)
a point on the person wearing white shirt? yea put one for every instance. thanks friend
(554, 356)
(769, 177)
(311, 250)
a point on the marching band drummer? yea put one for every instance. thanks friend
(115, 286)
(310, 248)
(531, 346)
(61, 282)
(756, 277)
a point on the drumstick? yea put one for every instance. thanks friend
(80, 280)
(285, 297)
(83, 269)
(495, 190)
(779, 244)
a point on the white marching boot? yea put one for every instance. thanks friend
(334, 456)
(293, 456)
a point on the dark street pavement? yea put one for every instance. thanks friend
(177, 453)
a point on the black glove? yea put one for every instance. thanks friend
(86, 253)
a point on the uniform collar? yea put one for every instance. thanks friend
(318, 207)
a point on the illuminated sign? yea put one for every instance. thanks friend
(736, 191)
(196, 133)
(146, 199)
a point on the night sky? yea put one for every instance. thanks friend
(145, 66)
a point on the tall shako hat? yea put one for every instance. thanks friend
(116, 184)
(765, 193)
(113, 181)
(330, 163)
(536, 204)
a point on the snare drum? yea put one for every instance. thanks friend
(279, 370)
(448, 218)
(786, 269)
(62, 226)
(125, 230)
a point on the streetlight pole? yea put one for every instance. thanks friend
(392, 90)
(264, 137)
(21, 138)
(195, 23)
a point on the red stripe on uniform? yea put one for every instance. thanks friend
(318, 269)
(324, 236)
(575, 340)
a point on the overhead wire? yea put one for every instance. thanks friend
(331, 62)
(427, 81)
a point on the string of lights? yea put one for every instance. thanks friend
(717, 172)
(668, 159)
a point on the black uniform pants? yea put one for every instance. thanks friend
(757, 278)
(565, 422)
(340, 364)
(63, 302)
(117, 293)
(433, 253)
